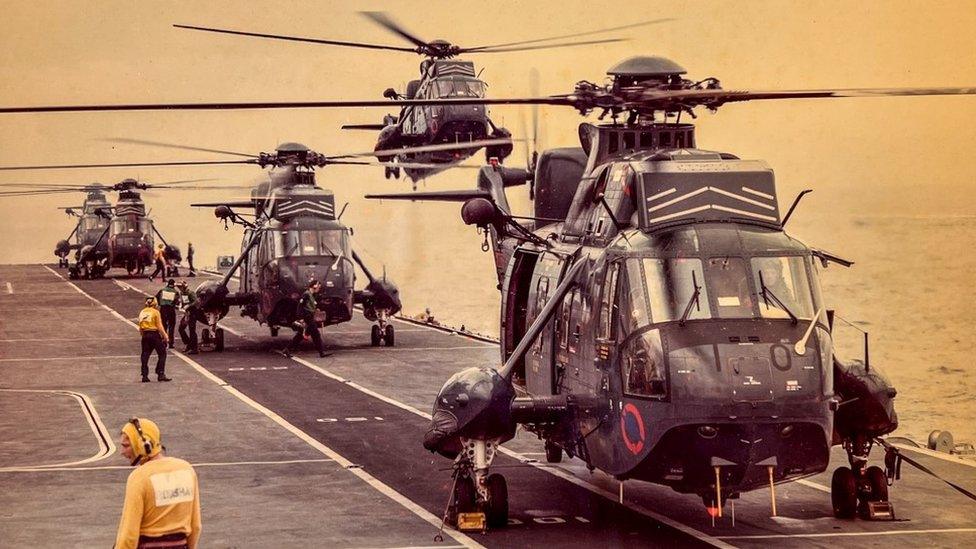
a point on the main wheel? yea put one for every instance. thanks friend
(219, 340)
(389, 337)
(464, 499)
(554, 452)
(497, 510)
(843, 493)
(274, 331)
(375, 336)
(205, 337)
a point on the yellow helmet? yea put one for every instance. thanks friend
(144, 437)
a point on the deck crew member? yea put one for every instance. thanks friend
(169, 299)
(306, 310)
(154, 338)
(162, 494)
(189, 259)
(160, 258)
(191, 315)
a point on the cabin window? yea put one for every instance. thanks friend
(633, 306)
(642, 364)
(647, 140)
(577, 314)
(541, 297)
(671, 286)
(566, 320)
(630, 140)
(782, 287)
(728, 282)
(608, 303)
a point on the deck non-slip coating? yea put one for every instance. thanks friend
(367, 405)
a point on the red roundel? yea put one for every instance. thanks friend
(632, 428)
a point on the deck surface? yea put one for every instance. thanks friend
(290, 450)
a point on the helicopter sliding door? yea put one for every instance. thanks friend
(540, 371)
(518, 282)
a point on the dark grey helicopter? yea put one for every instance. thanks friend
(442, 76)
(657, 320)
(107, 236)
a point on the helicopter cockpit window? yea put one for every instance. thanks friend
(643, 366)
(634, 310)
(123, 225)
(332, 242)
(782, 287)
(145, 226)
(729, 284)
(671, 287)
(460, 88)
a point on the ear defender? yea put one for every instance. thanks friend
(146, 444)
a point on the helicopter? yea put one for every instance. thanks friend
(120, 236)
(713, 415)
(657, 321)
(295, 236)
(442, 76)
(92, 221)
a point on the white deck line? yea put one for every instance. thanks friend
(854, 534)
(702, 536)
(40, 469)
(308, 439)
(106, 447)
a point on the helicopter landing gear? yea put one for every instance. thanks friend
(382, 331)
(62, 262)
(476, 491)
(132, 267)
(212, 338)
(860, 490)
(393, 173)
(274, 331)
(554, 452)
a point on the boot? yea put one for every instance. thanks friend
(145, 379)
(162, 377)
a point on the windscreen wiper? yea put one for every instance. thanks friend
(767, 294)
(692, 301)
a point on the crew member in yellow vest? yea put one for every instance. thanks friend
(162, 494)
(154, 338)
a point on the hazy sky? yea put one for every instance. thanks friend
(898, 156)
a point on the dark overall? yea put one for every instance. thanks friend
(307, 311)
(152, 341)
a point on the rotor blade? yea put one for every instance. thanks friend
(37, 192)
(384, 20)
(201, 187)
(174, 146)
(431, 148)
(547, 46)
(421, 166)
(574, 35)
(363, 126)
(386, 103)
(299, 39)
(714, 98)
(125, 165)
(241, 204)
(433, 196)
(183, 181)
(51, 186)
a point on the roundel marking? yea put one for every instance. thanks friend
(632, 428)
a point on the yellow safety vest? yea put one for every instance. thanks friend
(149, 320)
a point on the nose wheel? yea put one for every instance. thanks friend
(479, 500)
(859, 490)
(382, 332)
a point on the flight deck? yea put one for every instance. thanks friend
(328, 450)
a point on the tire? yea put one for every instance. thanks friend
(934, 439)
(274, 331)
(389, 337)
(205, 337)
(554, 453)
(464, 500)
(843, 493)
(877, 482)
(219, 340)
(497, 511)
(374, 336)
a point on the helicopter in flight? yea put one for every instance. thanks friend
(442, 76)
(657, 320)
(296, 235)
(119, 236)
